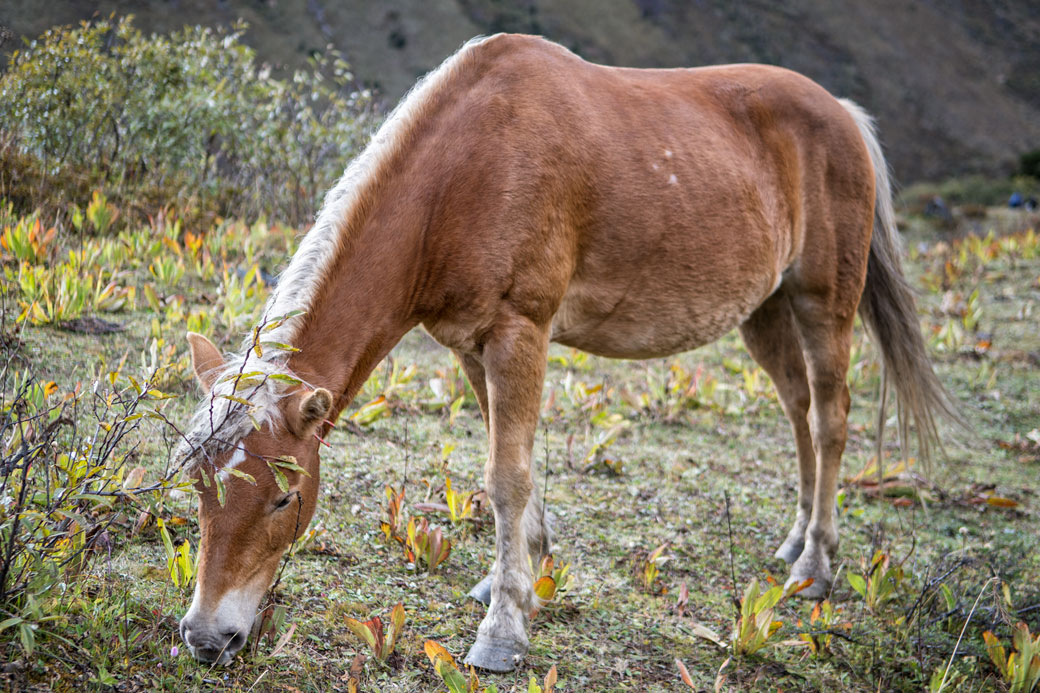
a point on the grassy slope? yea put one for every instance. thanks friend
(606, 633)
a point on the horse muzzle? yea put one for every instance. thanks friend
(212, 646)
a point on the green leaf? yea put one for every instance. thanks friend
(28, 638)
(452, 678)
(239, 400)
(233, 376)
(769, 599)
(167, 542)
(858, 584)
(396, 625)
(153, 300)
(455, 408)
(371, 411)
(13, 621)
(221, 491)
(750, 596)
(289, 462)
(279, 477)
(234, 471)
(995, 650)
(280, 346)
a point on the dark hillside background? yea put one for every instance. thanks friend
(955, 85)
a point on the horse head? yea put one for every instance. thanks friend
(257, 493)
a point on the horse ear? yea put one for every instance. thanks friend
(205, 359)
(314, 408)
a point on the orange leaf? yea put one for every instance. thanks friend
(1002, 502)
(436, 652)
(550, 680)
(795, 589)
(545, 588)
(684, 674)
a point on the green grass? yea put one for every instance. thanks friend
(604, 632)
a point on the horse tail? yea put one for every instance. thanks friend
(889, 310)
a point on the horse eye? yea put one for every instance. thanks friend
(284, 503)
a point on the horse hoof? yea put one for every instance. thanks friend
(481, 591)
(496, 655)
(789, 551)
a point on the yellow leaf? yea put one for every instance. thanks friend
(437, 653)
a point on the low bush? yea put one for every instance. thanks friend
(187, 118)
(70, 487)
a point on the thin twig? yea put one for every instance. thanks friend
(732, 572)
(545, 491)
(964, 628)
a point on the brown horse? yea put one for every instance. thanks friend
(520, 195)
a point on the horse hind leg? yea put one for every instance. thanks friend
(825, 330)
(771, 337)
(537, 521)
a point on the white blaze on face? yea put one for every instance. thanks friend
(238, 458)
(209, 626)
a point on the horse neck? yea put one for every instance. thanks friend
(364, 308)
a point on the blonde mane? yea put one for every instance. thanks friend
(219, 421)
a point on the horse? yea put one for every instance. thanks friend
(518, 196)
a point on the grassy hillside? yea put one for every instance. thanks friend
(664, 453)
(955, 87)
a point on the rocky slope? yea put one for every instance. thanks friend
(955, 84)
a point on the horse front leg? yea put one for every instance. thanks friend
(539, 532)
(514, 362)
(537, 522)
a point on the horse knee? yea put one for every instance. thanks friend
(508, 490)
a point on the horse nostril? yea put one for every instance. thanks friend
(235, 639)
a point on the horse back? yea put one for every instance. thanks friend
(643, 211)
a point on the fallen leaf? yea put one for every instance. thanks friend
(684, 674)
(282, 641)
(702, 631)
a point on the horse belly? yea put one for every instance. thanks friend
(653, 318)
